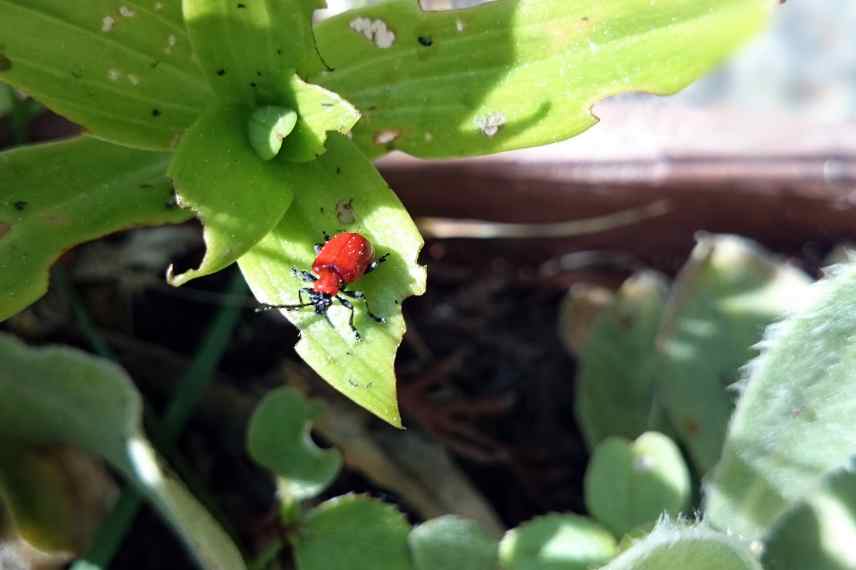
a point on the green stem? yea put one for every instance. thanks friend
(190, 388)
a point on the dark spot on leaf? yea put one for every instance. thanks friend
(396, 301)
(5, 63)
(425, 41)
(338, 170)
(322, 209)
(279, 52)
(258, 73)
(146, 186)
(221, 72)
(4, 229)
(156, 113)
(692, 426)
(154, 64)
(584, 19)
(172, 203)
(20, 205)
(76, 74)
(326, 104)
(253, 84)
(242, 5)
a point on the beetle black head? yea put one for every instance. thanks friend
(321, 302)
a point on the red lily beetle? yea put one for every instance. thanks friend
(340, 261)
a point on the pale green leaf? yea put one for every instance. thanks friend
(55, 196)
(343, 180)
(353, 533)
(60, 396)
(319, 111)
(619, 364)
(724, 297)
(556, 542)
(248, 48)
(238, 196)
(673, 547)
(516, 73)
(630, 484)
(819, 532)
(278, 438)
(122, 69)
(794, 420)
(452, 543)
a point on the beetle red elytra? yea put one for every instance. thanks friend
(340, 261)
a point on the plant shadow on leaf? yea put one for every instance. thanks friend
(511, 73)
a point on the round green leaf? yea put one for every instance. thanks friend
(362, 370)
(353, 533)
(556, 542)
(278, 438)
(268, 128)
(628, 485)
(452, 543)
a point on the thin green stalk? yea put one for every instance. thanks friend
(190, 388)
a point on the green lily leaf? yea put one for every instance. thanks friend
(516, 73)
(278, 438)
(452, 543)
(248, 49)
(556, 542)
(320, 111)
(59, 396)
(353, 533)
(238, 196)
(7, 99)
(125, 71)
(342, 190)
(55, 196)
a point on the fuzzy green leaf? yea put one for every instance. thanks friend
(672, 547)
(819, 532)
(124, 70)
(516, 73)
(556, 542)
(60, 396)
(619, 363)
(353, 533)
(794, 420)
(238, 196)
(278, 438)
(343, 180)
(452, 543)
(630, 484)
(724, 297)
(248, 49)
(55, 196)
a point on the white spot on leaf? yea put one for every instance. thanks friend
(490, 124)
(133, 79)
(170, 43)
(459, 25)
(107, 23)
(428, 137)
(114, 74)
(158, 6)
(375, 31)
(386, 136)
(345, 211)
(126, 12)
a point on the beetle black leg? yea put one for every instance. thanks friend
(304, 275)
(267, 307)
(350, 306)
(373, 265)
(362, 296)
